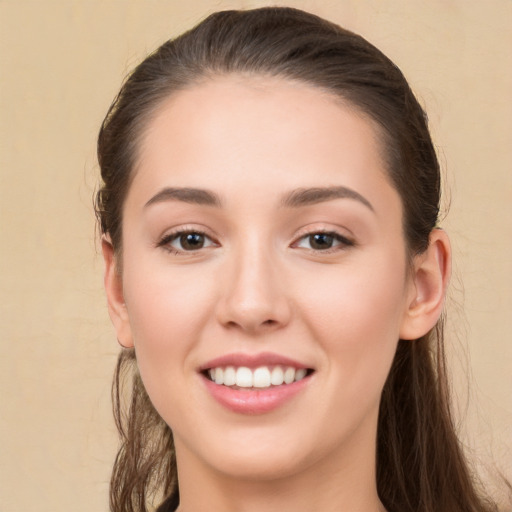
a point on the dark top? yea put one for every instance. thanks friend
(170, 504)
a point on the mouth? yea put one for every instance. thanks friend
(253, 384)
(261, 377)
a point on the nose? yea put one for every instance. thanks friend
(253, 295)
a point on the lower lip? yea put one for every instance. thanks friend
(254, 401)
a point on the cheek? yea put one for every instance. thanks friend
(357, 300)
(166, 305)
(168, 311)
(355, 316)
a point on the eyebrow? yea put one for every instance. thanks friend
(187, 195)
(309, 196)
(294, 199)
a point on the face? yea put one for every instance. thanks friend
(264, 281)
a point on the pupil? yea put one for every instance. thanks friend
(191, 241)
(321, 241)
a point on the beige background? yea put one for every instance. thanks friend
(61, 62)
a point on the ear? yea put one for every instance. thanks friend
(428, 285)
(114, 288)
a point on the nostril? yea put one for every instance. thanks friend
(249, 325)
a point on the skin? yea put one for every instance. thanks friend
(258, 285)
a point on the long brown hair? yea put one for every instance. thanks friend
(420, 464)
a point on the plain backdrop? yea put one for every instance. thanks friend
(61, 63)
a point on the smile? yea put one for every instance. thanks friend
(255, 383)
(261, 377)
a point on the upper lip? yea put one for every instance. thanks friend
(252, 361)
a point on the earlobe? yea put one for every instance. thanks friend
(114, 289)
(430, 279)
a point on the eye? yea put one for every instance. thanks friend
(323, 241)
(186, 241)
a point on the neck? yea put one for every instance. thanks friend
(279, 496)
(346, 483)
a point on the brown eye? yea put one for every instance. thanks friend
(191, 241)
(321, 241)
(186, 241)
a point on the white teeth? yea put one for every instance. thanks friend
(289, 375)
(244, 377)
(299, 374)
(219, 376)
(277, 377)
(229, 376)
(262, 377)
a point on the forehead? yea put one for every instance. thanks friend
(261, 132)
(247, 100)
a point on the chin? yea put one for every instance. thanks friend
(261, 467)
(261, 455)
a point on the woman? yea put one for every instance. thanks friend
(276, 276)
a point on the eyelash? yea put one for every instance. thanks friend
(167, 240)
(343, 242)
